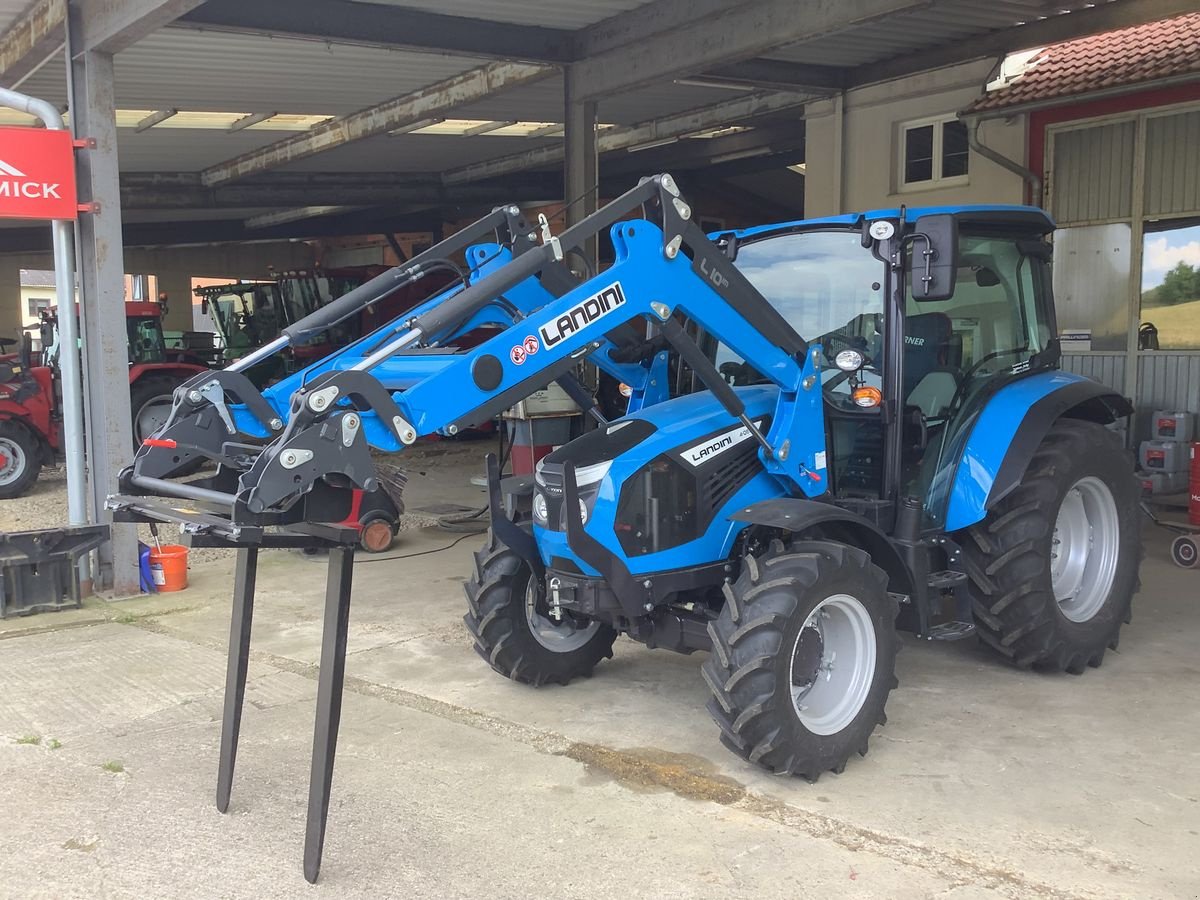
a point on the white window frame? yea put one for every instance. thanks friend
(937, 181)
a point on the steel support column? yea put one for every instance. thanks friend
(102, 289)
(581, 175)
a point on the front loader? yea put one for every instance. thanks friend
(838, 428)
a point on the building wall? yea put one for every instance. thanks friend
(853, 145)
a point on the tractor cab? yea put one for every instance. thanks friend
(908, 356)
(143, 324)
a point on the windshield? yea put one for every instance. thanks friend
(821, 281)
(829, 288)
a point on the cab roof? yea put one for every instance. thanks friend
(1031, 219)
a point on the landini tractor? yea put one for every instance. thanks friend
(837, 428)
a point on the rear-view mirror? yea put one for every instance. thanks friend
(934, 257)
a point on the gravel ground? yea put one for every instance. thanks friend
(46, 505)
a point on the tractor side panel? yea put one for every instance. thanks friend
(1009, 429)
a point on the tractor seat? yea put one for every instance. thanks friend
(930, 378)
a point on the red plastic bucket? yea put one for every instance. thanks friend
(168, 567)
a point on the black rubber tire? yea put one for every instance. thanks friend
(142, 392)
(749, 669)
(496, 620)
(1007, 556)
(11, 430)
(1185, 551)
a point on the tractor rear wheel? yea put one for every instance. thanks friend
(1054, 567)
(514, 631)
(803, 658)
(20, 459)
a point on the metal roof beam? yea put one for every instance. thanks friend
(663, 129)
(1061, 27)
(730, 36)
(299, 214)
(112, 25)
(155, 118)
(380, 119)
(378, 25)
(779, 75)
(36, 35)
(183, 190)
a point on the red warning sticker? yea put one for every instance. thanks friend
(531, 345)
(517, 354)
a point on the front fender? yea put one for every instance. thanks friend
(799, 516)
(1008, 431)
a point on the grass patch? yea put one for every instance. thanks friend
(53, 744)
(114, 766)
(126, 619)
(31, 739)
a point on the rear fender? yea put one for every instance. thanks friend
(816, 519)
(1009, 430)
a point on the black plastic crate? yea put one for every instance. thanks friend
(38, 568)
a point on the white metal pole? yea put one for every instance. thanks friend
(68, 330)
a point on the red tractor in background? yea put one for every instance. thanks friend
(30, 393)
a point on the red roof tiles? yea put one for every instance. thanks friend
(1128, 56)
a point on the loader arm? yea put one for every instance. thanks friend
(664, 269)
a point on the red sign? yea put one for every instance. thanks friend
(37, 174)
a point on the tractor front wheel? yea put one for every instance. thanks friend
(20, 459)
(515, 631)
(1054, 567)
(803, 658)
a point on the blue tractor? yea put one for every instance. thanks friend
(836, 428)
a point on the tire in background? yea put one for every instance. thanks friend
(20, 459)
(1015, 557)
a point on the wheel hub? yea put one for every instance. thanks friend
(12, 461)
(1084, 549)
(833, 664)
(554, 629)
(807, 660)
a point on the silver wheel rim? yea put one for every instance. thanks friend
(153, 415)
(1084, 549)
(14, 461)
(833, 664)
(561, 636)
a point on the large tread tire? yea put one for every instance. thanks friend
(749, 671)
(496, 618)
(24, 472)
(142, 392)
(1008, 555)
(145, 390)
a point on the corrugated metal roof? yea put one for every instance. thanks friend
(570, 14)
(944, 23)
(543, 101)
(252, 73)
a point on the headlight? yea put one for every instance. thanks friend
(541, 514)
(583, 512)
(849, 360)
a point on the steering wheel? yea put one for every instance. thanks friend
(960, 391)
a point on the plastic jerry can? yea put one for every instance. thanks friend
(1163, 456)
(1173, 425)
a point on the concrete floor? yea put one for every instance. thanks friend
(450, 781)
